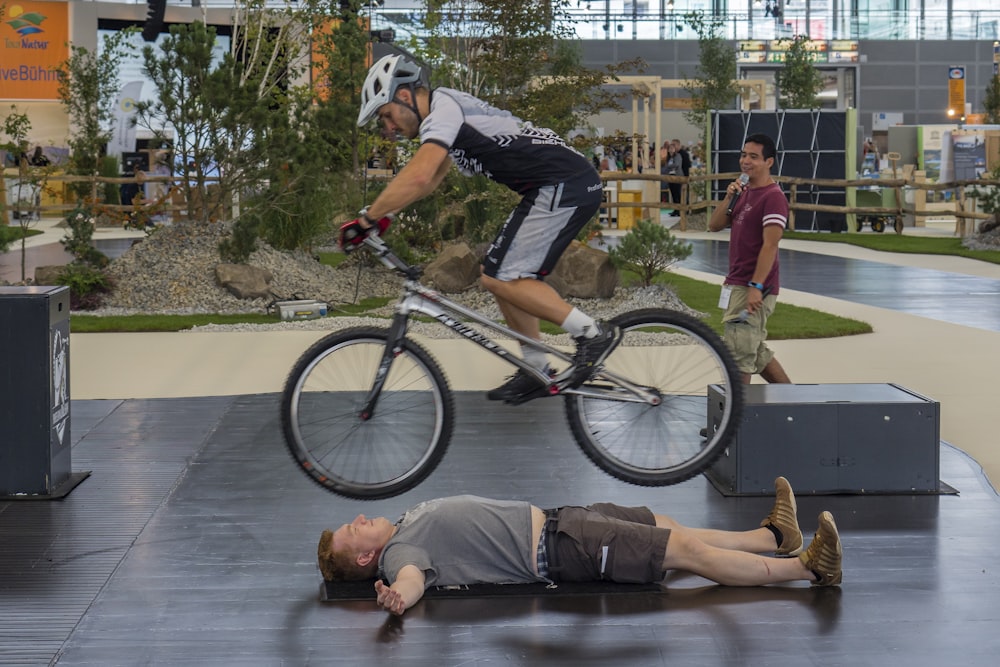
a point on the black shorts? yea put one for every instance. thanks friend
(608, 542)
(540, 229)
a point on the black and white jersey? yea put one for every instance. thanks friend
(482, 139)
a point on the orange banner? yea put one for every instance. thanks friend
(33, 44)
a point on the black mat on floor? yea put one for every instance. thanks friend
(330, 591)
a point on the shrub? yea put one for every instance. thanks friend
(648, 250)
(77, 241)
(87, 285)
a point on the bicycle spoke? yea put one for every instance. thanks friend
(366, 456)
(657, 444)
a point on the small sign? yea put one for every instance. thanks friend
(750, 56)
(674, 103)
(956, 90)
(843, 45)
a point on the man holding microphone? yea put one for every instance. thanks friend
(757, 210)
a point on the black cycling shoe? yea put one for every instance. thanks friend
(591, 352)
(519, 388)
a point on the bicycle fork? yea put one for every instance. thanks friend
(393, 346)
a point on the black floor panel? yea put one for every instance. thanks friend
(194, 540)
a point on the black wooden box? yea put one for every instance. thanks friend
(831, 438)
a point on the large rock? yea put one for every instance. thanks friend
(48, 275)
(454, 270)
(243, 281)
(585, 273)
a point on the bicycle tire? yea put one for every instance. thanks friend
(659, 445)
(385, 455)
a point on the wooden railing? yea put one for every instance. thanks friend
(963, 213)
(965, 217)
(54, 186)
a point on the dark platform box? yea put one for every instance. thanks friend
(831, 438)
(34, 392)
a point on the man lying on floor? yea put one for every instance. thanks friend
(471, 540)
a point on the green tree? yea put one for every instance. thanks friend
(87, 89)
(222, 113)
(30, 180)
(648, 250)
(314, 159)
(714, 84)
(249, 130)
(991, 102)
(798, 81)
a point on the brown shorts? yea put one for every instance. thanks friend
(608, 542)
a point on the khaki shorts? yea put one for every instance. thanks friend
(746, 340)
(635, 546)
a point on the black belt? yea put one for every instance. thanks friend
(551, 541)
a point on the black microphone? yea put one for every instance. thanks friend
(744, 179)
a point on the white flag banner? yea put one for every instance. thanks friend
(123, 133)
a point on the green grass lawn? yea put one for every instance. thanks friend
(11, 233)
(787, 322)
(83, 323)
(921, 245)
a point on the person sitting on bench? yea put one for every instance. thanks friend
(464, 540)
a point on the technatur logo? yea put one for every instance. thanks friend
(28, 25)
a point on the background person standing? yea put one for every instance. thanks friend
(758, 214)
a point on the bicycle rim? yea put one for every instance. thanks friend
(656, 445)
(382, 456)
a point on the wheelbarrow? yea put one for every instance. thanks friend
(877, 197)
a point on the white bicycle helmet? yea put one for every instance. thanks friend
(385, 76)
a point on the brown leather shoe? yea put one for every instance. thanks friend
(783, 518)
(824, 556)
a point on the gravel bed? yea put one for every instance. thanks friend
(172, 271)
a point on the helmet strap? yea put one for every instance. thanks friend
(412, 107)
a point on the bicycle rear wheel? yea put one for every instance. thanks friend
(390, 451)
(679, 358)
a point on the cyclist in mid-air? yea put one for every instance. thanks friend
(560, 189)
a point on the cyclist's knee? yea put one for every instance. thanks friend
(491, 284)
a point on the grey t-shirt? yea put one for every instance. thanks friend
(464, 540)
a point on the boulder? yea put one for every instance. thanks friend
(585, 273)
(454, 270)
(48, 275)
(244, 281)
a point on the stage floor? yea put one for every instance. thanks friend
(193, 542)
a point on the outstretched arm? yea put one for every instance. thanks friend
(405, 592)
(420, 177)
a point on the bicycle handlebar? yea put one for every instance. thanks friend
(389, 258)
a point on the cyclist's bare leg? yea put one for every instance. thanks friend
(524, 301)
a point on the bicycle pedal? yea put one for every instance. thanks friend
(541, 392)
(580, 376)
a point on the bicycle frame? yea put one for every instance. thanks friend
(418, 298)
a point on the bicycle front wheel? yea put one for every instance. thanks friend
(699, 401)
(338, 443)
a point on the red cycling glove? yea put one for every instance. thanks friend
(353, 233)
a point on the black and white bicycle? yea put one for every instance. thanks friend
(367, 412)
